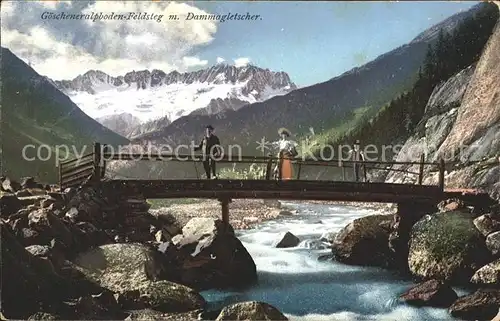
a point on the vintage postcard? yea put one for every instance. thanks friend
(250, 160)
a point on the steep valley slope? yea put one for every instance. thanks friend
(34, 114)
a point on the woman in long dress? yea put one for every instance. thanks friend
(287, 151)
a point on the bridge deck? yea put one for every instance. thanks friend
(284, 190)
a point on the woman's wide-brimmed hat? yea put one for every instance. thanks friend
(285, 131)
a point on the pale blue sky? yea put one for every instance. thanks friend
(316, 41)
(312, 41)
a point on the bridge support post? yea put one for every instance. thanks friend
(421, 170)
(225, 210)
(59, 167)
(441, 174)
(298, 172)
(269, 167)
(97, 163)
(103, 161)
(407, 215)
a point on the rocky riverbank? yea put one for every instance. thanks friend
(244, 213)
(89, 253)
(457, 245)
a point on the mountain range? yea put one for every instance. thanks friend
(144, 101)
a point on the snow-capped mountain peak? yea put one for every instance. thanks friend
(152, 95)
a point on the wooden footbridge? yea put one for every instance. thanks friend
(91, 168)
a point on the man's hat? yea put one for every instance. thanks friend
(285, 131)
(210, 127)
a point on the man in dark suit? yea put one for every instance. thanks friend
(210, 147)
(358, 157)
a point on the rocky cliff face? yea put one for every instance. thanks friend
(120, 123)
(441, 112)
(216, 106)
(219, 105)
(480, 107)
(462, 126)
(141, 129)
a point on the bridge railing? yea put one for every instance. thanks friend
(93, 166)
(75, 172)
(271, 161)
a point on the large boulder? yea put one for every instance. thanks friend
(9, 204)
(47, 202)
(487, 224)
(87, 236)
(39, 250)
(32, 200)
(150, 315)
(120, 267)
(480, 305)
(29, 236)
(44, 316)
(328, 237)
(446, 246)
(29, 283)
(50, 253)
(30, 182)
(493, 243)
(451, 205)
(488, 274)
(89, 205)
(10, 186)
(163, 296)
(209, 255)
(169, 226)
(369, 234)
(52, 227)
(408, 213)
(287, 240)
(497, 317)
(23, 193)
(101, 306)
(432, 293)
(251, 311)
(40, 192)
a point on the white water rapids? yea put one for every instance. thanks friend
(303, 288)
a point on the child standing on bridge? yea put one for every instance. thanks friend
(210, 147)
